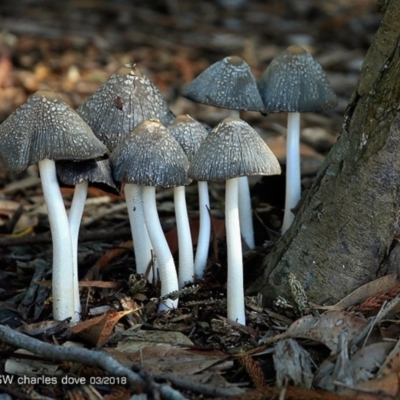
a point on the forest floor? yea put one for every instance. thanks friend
(73, 48)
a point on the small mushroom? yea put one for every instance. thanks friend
(81, 174)
(149, 156)
(233, 149)
(294, 83)
(42, 130)
(189, 133)
(230, 84)
(126, 100)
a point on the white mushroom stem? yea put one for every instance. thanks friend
(203, 241)
(293, 178)
(75, 218)
(64, 279)
(141, 240)
(168, 275)
(245, 214)
(235, 290)
(186, 264)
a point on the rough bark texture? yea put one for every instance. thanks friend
(346, 232)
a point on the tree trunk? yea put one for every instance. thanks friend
(346, 232)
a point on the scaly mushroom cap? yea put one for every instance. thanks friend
(189, 133)
(295, 82)
(126, 100)
(96, 172)
(232, 149)
(46, 127)
(150, 156)
(228, 83)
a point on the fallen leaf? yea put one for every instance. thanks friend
(169, 358)
(370, 289)
(96, 330)
(29, 366)
(392, 362)
(134, 340)
(384, 388)
(326, 328)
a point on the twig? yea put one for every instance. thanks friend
(196, 387)
(84, 356)
(44, 238)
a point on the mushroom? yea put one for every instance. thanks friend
(80, 175)
(126, 100)
(294, 83)
(149, 156)
(189, 133)
(42, 130)
(233, 149)
(229, 83)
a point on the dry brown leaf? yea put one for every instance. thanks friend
(43, 328)
(167, 358)
(370, 289)
(327, 327)
(384, 388)
(392, 363)
(96, 330)
(133, 340)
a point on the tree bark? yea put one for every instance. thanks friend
(346, 232)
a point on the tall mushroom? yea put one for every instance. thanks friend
(233, 149)
(294, 83)
(229, 83)
(42, 130)
(150, 157)
(126, 100)
(80, 175)
(189, 133)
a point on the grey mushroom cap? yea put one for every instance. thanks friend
(233, 149)
(295, 82)
(189, 133)
(126, 100)
(96, 172)
(150, 156)
(46, 127)
(228, 83)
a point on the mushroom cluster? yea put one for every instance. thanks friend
(43, 130)
(125, 138)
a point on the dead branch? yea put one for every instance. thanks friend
(84, 356)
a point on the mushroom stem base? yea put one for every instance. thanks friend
(64, 278)
(168, 275)
(293, 174)
(235, 290)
